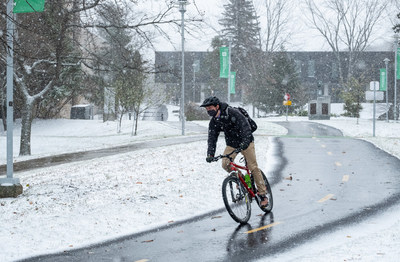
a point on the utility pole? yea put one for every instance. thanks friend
(395, 75)
(229, 68)
(182, 9)
(194, 81)
(10, 186)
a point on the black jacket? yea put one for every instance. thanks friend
(235, 126)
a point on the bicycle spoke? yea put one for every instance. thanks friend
(232, 192)
(236, 200)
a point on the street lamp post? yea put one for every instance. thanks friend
(194, 82)
(229, 68)
(395, 75)
(182, 9)
(9, 80)
(386, 60)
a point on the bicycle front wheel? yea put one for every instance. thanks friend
(236, 199)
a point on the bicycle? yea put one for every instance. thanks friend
(238, 194)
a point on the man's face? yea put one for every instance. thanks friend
(208, 108)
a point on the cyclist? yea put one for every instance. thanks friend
(237, 135)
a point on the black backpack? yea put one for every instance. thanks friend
(252, 123)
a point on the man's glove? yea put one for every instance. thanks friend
(209, 158)
(243, 146)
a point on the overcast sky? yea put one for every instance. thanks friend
(303, 37)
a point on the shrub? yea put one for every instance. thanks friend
(194, 112)
(303, 113)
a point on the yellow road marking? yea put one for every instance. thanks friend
(262, 228)
(327, 197)
(345, 178)
(338, 164)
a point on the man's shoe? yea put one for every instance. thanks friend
(264, 201)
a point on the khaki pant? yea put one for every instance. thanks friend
(250, 156)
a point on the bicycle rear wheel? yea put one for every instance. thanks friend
(236, 199)
(268, 208)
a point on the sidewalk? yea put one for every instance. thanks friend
(64, 136)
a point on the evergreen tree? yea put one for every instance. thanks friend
(240, 23)
(282, 79)
(353, 97)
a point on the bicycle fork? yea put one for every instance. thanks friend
(243, 182)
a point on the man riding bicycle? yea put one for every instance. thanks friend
(238, 135)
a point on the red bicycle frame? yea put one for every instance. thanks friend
(236, 167)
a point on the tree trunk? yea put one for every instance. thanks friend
(136, 121)
(119, 129)
(26, 128)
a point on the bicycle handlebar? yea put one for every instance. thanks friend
(238, 150)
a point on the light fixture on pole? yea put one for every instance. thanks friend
(182, 9)
(386, 60)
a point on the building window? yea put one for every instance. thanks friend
(325, 108)
(311, 68)
(334, 70)
(313, 108)
(298, 66)
(171, 64)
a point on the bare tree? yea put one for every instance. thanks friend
(396, 20)
(41, 64)
(277, 20)
(49, 43)
(275, 15)
(346, 25)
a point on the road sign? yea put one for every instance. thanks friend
(369, 95)
(28, 6)
(287, 103)
(287, 97)
(373, 85)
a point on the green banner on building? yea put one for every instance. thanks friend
(398, 63)
(232, 83)
(28, 6)
(382, 82)
(224, 62)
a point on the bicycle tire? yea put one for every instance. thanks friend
(236, 199)
(270, 205)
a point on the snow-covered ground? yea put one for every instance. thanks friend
(76, 204)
